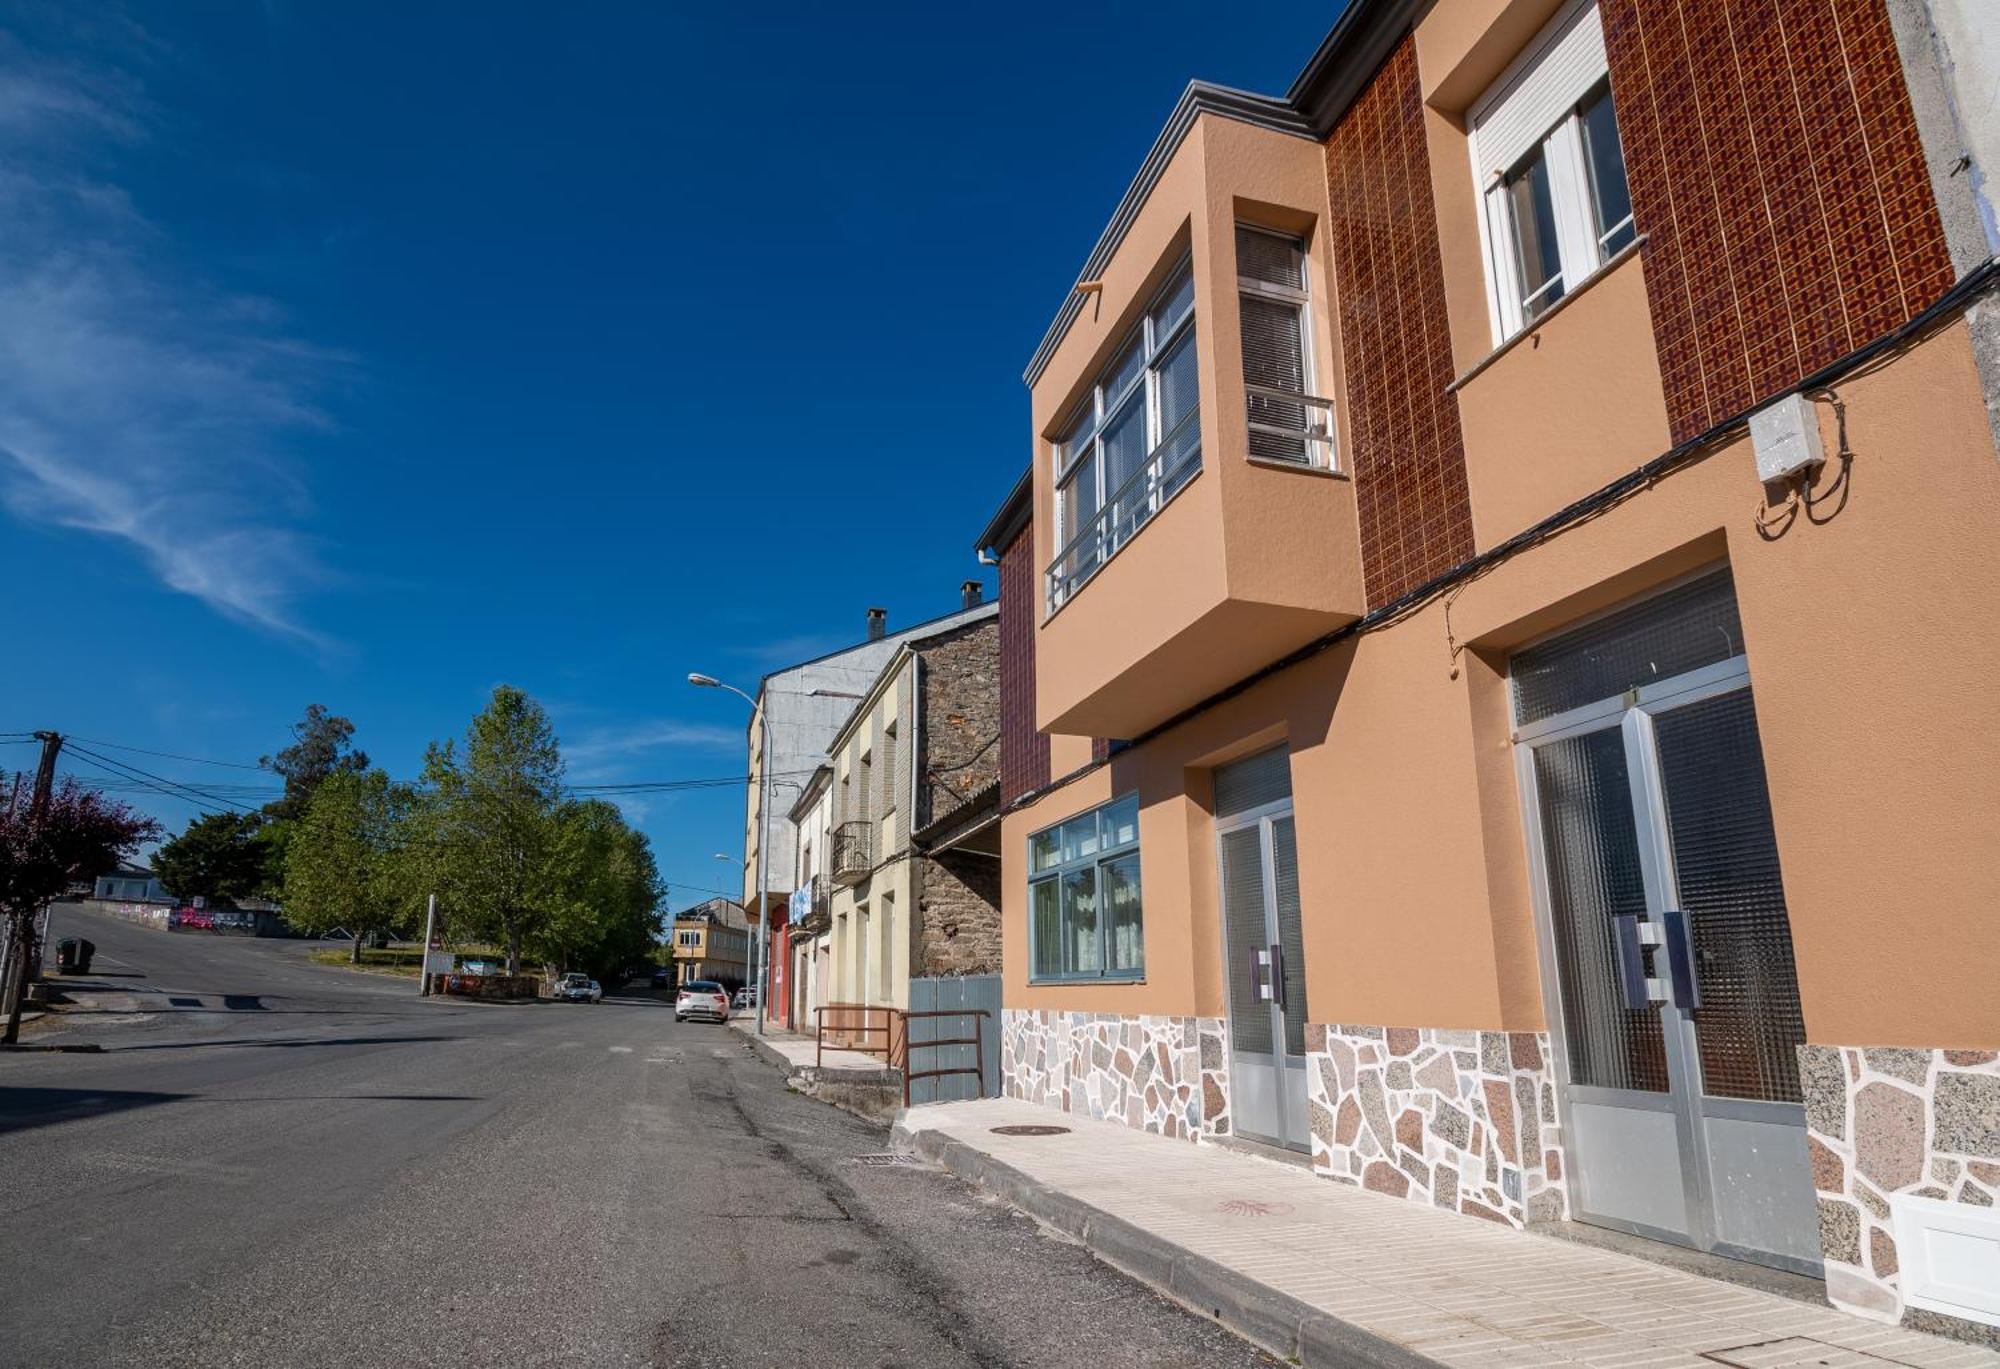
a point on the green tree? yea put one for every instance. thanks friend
(218, 856)
(493, 825)
(601, 892)
(322, 745)
(342, 866)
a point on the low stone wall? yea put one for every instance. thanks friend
(1161, 1074)
(1884, 1121)
(1464, 1120)
(493, 988)
(152, 915)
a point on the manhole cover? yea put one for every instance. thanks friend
(1252, 1207)
(1792, 1352)
(1025, 1129)
(886, 1159)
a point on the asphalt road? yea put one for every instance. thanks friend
(278, 1163)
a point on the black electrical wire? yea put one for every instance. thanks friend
(185, 790)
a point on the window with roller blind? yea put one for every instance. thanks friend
(1288, 422)
(1553, 198)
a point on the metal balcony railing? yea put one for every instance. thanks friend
(818, 914)
(853, 851)
(1287, 426)
(1131, 506)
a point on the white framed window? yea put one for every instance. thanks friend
(1085, 918)
(1288, 422)
(1132, 444)
(1554, 205)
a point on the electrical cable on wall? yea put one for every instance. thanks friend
(1862, 361)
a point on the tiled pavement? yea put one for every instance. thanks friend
(1457, 1290)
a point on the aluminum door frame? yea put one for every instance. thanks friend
(1662, 894)
(1283, 1064)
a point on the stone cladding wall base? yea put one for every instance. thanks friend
(1158, 1073)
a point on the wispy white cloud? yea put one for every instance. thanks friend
(784, 651)
(610, 744)
(139, 404)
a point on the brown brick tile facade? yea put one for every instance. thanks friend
(1405, 447)
(1775, 169)
(1024, 752)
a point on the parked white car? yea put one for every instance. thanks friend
(702, 998)
(577, 988)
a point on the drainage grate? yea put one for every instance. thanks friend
(1030, 1130)
(886, 1159)
(1793, 1352)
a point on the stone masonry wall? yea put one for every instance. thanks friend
(1464, 1120)
(1161, 1074)
(958, 914)
(1882, 1121)
(961, 731)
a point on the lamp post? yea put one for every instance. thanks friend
(763, 826)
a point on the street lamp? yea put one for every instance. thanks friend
(701, 681)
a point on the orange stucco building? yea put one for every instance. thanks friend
(1498, 652)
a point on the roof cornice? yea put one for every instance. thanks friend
(1198, 99)
(1360, 40)
(1015, 511)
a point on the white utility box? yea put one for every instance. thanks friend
(1786, 438)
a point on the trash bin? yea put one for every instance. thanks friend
(73, 955)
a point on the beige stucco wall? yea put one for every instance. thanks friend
(1873, 663)
(1247, 561)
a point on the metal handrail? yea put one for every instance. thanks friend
(977, 1040)
(1153, 476)
(896, 1044)
(848, 1031)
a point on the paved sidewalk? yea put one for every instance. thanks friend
(800, 1052)
(1333, 1275)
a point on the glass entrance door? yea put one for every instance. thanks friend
(1264, 950)
(1666, 940)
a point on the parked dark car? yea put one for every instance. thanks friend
(663, 978)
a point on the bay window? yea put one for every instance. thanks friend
(1084, 911)
(1133, 442)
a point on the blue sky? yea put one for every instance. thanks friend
(373, 355)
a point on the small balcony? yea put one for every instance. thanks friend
(853, 852)
(817, 915)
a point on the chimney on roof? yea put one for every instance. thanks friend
(971, 594)
(878, 624)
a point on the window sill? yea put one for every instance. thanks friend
(1074, 981)
(1583, 287)
(1329, 472)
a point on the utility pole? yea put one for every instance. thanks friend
(21, 922)
(424, 966)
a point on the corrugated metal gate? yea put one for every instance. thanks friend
(954, 994)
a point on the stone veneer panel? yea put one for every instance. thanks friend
(1882, 1121)
(1464, 1120)
(1161, 1074)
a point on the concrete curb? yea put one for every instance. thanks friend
(1278, 1322)
(874, 1096)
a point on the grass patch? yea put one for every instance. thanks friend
(390, 961)
(405, 961)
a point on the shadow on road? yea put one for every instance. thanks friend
(23, 1108)
(282, 1043)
